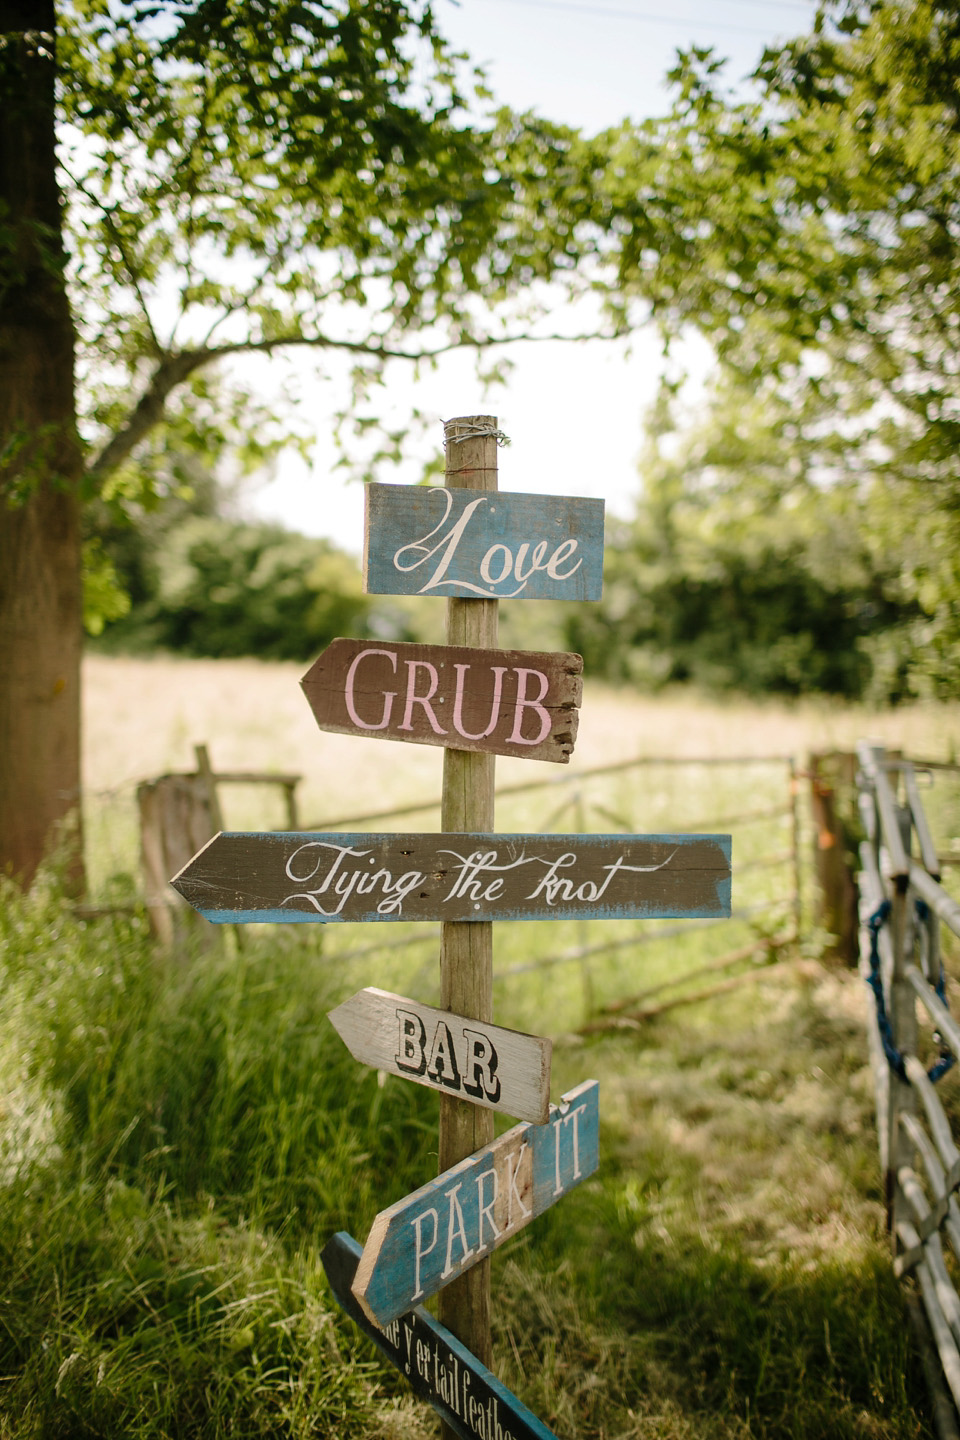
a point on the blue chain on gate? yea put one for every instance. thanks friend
(894, 1058)
(874, 924)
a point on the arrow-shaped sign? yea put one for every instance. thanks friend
(464, 1392)
(335, 876)
(502, 1069)
(498, 545)
(419, 1245)
(504, 702)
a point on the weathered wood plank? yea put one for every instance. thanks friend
(466, 951)
(468, 1396)
(505, 702)
(426, 1240)
(505, 1070)
(306, 876)
(474, 544)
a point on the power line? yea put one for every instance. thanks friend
(645, 17)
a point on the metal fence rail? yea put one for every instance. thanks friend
(903, 908)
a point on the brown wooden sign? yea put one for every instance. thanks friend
(505, 702)
(334, 876)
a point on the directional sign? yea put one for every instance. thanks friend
(419, 1245)
(506, 702)
(482, 544)
(305, 876)
(502, 1069)
(464, 1393)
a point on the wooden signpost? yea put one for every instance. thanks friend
(419, 1245)
(507, 702)
(505, 1069)
(481, 545)
(474, 545)
(332, 876)
(472, 1402)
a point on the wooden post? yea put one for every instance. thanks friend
(795, 851)
(836, 891)
(466, 949)
(205, 771)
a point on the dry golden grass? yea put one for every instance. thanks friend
(142, 717)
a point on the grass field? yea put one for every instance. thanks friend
(180, 1134)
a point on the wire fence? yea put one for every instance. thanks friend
(608, 974)
(755, 799)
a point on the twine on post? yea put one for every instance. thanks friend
(455, 431)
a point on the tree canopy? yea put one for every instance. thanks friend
(811, 232)
(250, 176)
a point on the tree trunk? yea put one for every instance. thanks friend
(40, 464)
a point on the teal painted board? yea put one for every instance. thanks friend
(419, 1245)
(482, 544)
(334, 876)
(441, 1370)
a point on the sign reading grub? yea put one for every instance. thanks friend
(501, 1069)
(481, 544)
(237, 878)
(505, 702)
(419, 1245)
(442, 1371)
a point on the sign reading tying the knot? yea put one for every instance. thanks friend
(323, 877)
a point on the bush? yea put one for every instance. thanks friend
(221, 588)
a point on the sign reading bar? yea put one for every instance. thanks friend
(481, 544)
(501, 1069)
(419, 1245)
(306, 876)
(506, 702)
(467, 1396)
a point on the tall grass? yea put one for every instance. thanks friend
(177, 1140)
(180, 1137)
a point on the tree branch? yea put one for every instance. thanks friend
(108, 213)
(174, 369)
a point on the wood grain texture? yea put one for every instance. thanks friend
(423, 1242)
(323, 877)
(511, 546)
(505, 702)
(506, 1070)
(466, 951)
(472, 1402)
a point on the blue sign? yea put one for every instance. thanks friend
(424, 1241)
(482, 544)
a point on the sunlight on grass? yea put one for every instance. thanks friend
(179, 1135)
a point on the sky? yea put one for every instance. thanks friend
(573, 413)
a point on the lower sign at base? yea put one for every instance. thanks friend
(464, 1393)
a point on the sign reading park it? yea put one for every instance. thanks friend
(419, 1245)
(506, 702)
(467, 1396)
(482, 544)
(332, 876)
(502, 1069)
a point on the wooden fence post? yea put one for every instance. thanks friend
(836, 889)
(466, 949)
